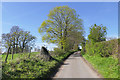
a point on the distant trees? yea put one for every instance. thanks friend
(17, 40)
(63, 27)
(37, 49)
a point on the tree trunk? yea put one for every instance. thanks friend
(23, 45)
(7, 54)
(13, 49)
(13, 52)
(29, 53)
(17, 44)
(22, 50)
(16, 49)
(61, 45)
(10, 51)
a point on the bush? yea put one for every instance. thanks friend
(105, 48)
(104, 57)
(82, 51)
(58, 52)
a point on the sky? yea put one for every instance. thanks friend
(30, 15)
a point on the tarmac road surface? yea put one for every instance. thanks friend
(75, 67)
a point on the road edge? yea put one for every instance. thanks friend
(53, 76)
(90, 65)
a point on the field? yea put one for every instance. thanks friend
(18, 56)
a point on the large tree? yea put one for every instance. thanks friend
(16, 33)
(97, 33)
(62, 22)
(27, 40)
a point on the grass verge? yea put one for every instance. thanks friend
(106, 66)
(32, 67)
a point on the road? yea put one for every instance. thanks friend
(75, 67)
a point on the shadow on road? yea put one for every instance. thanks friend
(70, 58)
(66, 64)
(76, 55)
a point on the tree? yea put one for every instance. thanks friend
(62, 21)
(7, 40)
(27, 40)
(16, 33)
(17, 41)
(97, 33)
(75, 39)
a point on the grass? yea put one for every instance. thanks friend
(32, 67)
(17, 56)
(106, 66)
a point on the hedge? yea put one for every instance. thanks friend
(104, 48)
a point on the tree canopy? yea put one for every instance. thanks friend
(17, 41)
(97, 33)
(63, 25)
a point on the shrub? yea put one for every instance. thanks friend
(58, 52)
(82, 52)
(105, 48)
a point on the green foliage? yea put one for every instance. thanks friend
(83, 44)
(32, 67)
(17, 41)
(63, 24)
(119, 70)
(89, 48)
(106, 66)
(97, 33)
(58, 52)
(82, 52)
(104, 57)
(105, 48)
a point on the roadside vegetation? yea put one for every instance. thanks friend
(107, 67)
(64, 27)
(102, 54)
(33, 67)
(60, 28)
(17, 41)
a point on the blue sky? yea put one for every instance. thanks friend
(30, 15)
